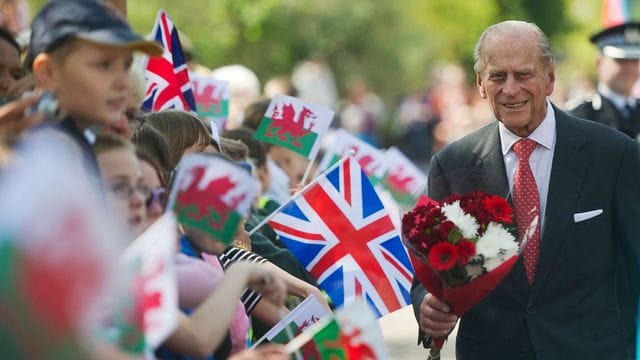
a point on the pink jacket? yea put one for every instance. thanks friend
(196, 281)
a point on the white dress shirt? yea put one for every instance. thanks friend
(619, 101)
(540, 160)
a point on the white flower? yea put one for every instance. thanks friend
(492, 263)
(466, 223)
(494, 240)
(474, 270)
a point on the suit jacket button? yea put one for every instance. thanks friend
(530, 311)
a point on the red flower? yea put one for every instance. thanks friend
(445, 228)
(466, 250)
(499, 209)
(443, 256)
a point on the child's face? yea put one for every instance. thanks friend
(292, 163)
(126, 192)
(92, 83)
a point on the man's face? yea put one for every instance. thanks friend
(92, 83)
(10, 66)
(516, 83)
(618, 74)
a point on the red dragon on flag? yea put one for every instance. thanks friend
(212, 194)
(294, 124)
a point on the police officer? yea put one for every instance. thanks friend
(617, 66)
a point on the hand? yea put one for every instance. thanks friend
(320, 296)
(269, 284)
(13, 119)
(435, 319)
(268, 351)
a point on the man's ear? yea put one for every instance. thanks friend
(43, 71)
(483, 93)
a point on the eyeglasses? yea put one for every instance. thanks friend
(123, 190)
(158, 197)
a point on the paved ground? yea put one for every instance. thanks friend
(399, 330)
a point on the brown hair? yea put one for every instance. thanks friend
(144, 155)
(257, 151)
(181, 130)
(152, 142)
(234, 149)
(254, 113)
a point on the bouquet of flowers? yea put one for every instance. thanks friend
(460, 248)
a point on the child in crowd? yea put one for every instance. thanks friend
(197, 334)
(81, 52)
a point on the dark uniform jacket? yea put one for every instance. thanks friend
(598, 108)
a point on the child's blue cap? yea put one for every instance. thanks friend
(62, 20)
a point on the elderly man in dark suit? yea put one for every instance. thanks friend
(582, 179)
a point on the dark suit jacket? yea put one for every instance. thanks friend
(570, 310)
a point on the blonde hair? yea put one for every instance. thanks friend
(108, 142)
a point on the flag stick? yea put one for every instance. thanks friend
(290, 335)
(307, 172)
(297, 194)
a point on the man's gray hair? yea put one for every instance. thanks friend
(511, 27)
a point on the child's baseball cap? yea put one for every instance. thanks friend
(62, 20)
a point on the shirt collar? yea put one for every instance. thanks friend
(619, 101)
(543, 134)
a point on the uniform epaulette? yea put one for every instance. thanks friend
(592, 97)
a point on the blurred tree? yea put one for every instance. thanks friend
(392, 43)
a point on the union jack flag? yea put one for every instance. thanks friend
(340, 231)
(168, 85)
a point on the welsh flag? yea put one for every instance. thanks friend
(57, 254)
(303, 316)
(295, 124)
(212, 194)
(212, 99)
(353, 333)
(401, 177)
(149, 316)
(368, 156)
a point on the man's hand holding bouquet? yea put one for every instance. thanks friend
(461, 248)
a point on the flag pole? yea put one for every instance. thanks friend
(299, 193)
(307, 172)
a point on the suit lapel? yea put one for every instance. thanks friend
(567, 174)
(488, 173)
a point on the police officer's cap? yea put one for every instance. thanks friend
(620, 41)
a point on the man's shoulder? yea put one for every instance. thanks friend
(469, 143)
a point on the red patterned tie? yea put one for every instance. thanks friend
(527, 206)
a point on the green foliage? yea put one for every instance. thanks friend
(392, 43)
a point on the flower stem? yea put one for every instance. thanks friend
(434, 354)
